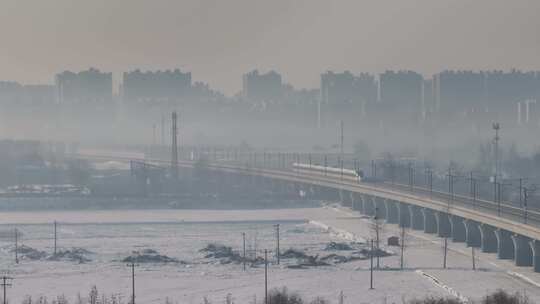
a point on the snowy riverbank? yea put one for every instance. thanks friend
(111, 236)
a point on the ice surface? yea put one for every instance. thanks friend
(180, 234)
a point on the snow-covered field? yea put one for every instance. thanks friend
(180, 234)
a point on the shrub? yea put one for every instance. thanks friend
(502, 297)
(433, 300)
(283, 296)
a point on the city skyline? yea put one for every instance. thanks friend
(119, 78)
(236, 36)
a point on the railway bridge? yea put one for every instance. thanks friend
(509, 232)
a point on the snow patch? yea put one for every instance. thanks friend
(339, 233)
(524, 278)
(449, 289)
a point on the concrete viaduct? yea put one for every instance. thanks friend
(508, 238)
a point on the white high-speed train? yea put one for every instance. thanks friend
(338, 173)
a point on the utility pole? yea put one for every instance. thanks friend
(16, 246)
(411, 177)
(498, 185)
(473, 258)
(471, 184)
(495, 199)
(55, 237)
(6, 282)
(377, 234)
(496, 126)
(450, 184)
(132, 265)
(525, 196)
(472, 189)
(174, 148)
(371, 267)
(265, 276)
(401, 260)
(277, 243)
(445, 251)
(430, 182)
(520, 192)
(341, 165)
(244, 250)
(341, 150)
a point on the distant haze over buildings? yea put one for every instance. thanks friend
(218, 41)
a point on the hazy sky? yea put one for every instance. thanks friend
(219, 40)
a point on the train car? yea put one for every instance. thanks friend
(337, 173)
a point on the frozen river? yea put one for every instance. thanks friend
(110, 236)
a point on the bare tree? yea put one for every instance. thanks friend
(341, 299)
(319, 300)
(402, 246)
(27, 300)
(93, 295)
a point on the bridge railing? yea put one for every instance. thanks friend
(467, 190)
(452, 187)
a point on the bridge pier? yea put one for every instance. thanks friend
(505, 245)
(345, 198)
(380, 208)
(523, 253)
(459, 233)
(362, 199)
(332, 194)
(284, 187)
(489, 239)
(404, 215)
(322, 193)
(369, 205)
(430, 221)
(392, 213)
(535, 247)
(473, 235)
(297, 188)
(353, 200)
(444, 228)
(312, 192)
(259, 180)
(292, 189)
(358, 202)
(417, 217)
